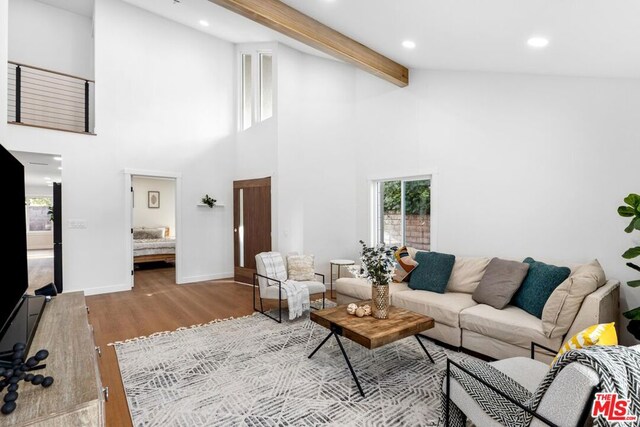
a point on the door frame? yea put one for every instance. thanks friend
(128, 215)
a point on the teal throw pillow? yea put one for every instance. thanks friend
(433, 271)
(542, 279)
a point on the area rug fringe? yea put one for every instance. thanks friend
(182, 328)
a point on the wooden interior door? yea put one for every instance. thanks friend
(251, 225)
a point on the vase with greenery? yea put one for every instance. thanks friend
(632, 210)
(378, 267)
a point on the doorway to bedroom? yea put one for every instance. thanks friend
(153, 220)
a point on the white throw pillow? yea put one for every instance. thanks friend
(301, 267)
(564, 303)
(467, 274)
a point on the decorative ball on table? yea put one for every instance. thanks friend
(351, 308)
(367, 309)
(360, 312)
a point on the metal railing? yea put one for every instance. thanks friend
(49, 99)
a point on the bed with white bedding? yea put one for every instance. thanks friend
(153, 244)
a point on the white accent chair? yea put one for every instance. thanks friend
(268, 279)
(567, 402)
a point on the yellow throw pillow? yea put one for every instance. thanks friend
(603, 334)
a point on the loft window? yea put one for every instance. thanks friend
(247, 92)
(257, 88)
(266, 86)
(402, 212)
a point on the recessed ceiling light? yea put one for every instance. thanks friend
(46, 178)
(58, 159)
(409, 44)
(538, 42)
(60, 168)
(203, 23)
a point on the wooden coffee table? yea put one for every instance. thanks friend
(370, 332)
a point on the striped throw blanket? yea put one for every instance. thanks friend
(297, 298)
(618, 368)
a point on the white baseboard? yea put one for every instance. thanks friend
(107, 289)
(205, 278)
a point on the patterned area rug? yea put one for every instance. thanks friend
(255, 372)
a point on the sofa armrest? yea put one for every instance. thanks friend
(602, 306)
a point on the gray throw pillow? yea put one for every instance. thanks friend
(500, 282)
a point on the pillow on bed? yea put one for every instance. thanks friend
(148, 233)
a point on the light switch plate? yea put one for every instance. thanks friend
(78, 224)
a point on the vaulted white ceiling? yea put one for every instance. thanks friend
(587, 37)
(81, 7)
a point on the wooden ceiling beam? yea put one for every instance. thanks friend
(280, 17)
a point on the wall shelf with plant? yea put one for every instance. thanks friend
(209, 202)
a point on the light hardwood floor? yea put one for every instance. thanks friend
(156, 304)
(40, 264)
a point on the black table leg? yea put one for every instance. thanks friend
(424, 348)
(321, 344)
(346, 358)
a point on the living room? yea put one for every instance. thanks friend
(528, 150)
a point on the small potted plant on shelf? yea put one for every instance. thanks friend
(378, 267)
(209, 201)
(632, 210)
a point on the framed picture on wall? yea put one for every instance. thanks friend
(153, 200)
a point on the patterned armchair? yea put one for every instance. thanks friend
(566, 402)
(271, 273)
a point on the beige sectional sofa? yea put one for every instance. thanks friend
(461, 322)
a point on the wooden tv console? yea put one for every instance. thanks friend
(76, 397)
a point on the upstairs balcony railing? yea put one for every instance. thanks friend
(49, 99)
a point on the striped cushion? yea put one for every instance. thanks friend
(274, 266)
(404, 266)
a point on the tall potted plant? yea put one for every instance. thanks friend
(632, 210)
(378, 267)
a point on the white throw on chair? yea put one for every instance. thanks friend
(271, 274)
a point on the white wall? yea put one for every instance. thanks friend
(51, 38)
(165, 215)
(4, 52)
(316, 151)
(187, 129)
(526, 165)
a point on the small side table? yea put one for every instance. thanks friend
(338, 263)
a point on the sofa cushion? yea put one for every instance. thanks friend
(361, 289)
(500, 282)
(466, 274)
(511, 324)
(433, 272)
(405, 265)
(542, 279)
(444, 308)
(564, 303)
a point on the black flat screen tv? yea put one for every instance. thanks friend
(14, 273)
